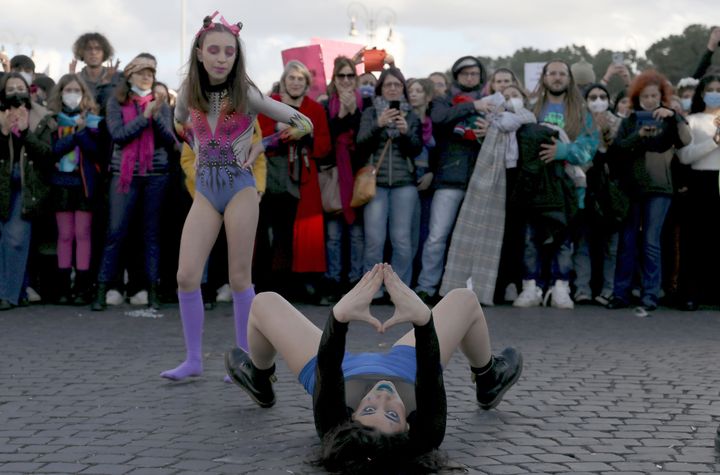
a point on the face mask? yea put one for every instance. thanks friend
(514, 104)
(367, 91)
(712, 99)
(141, 92)
(686, 102)
(71, 100)
(28, 77)
(598, 105)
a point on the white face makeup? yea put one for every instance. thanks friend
(217, 55)
(382, 409)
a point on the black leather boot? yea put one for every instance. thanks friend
(493, 383)
(99, 304)
(82, 288)
(257, 383)
(64, 295)
(153, 298)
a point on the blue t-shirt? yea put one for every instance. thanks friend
(553, 114)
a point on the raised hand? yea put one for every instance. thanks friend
(72, 66)
(110, 72)
(355, 305)
(408, 306)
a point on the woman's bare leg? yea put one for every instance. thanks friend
(275, 326)
(200, 231)
(459, 321)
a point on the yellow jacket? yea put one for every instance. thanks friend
(187, 162)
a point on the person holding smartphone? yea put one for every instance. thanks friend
(390, 129)
(697, 274)
(645, 144)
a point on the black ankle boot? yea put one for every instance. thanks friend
(256, 382)
(491, 385)
(98, 304)
(153, 299)
(82, 287)
(64, 295)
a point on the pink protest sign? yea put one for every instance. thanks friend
(331, 49)
(311, 56)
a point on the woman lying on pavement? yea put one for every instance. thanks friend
(375, 411)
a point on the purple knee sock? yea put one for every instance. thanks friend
(241, 306)
(192, 316)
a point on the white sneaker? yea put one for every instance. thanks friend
(531, 295)
(560, 295)
(224, 294)
(511, 293)
(140, 298)
(113, 297)
(32, 295)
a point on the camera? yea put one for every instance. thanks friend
(394, 105)
(646, 119)
(618, 57)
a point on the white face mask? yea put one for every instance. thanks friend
(598, 105)
(71, 100)
(514, 104)
(28, 77)
(141, 92)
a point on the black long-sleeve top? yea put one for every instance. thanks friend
(427, 421)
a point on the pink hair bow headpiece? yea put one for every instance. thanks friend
(234, 29)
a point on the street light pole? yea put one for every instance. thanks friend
(371, 18)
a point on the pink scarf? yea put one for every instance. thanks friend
(141, 149)
(344, 146)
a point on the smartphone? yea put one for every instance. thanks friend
(646, 119)
(618, 57)
(394, 105)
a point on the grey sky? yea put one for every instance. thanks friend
(429, 34)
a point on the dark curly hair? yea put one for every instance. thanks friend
(81, 43)
(355, 449)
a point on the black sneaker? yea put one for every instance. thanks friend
(494, 383)
(616, 303)
(257, 383)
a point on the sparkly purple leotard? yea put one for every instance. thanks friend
(222, 141)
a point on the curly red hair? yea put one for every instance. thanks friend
(650, 78)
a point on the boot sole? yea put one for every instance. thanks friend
(511, 383)
(236, 379)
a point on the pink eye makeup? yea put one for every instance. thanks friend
(230, 51)
(213, 49)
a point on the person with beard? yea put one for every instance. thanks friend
(290, 238)
(573, 142)
(24, 147)
(458, 127)
(76, 168)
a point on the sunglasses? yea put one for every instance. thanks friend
(346, 76)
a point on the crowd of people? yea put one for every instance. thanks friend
(568, 194)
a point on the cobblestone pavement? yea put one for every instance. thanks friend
(602, 392)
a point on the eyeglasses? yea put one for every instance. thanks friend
(595, 97)
(470, 74)
(346, 76)
(392, 85)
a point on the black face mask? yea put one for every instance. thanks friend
(21, 99)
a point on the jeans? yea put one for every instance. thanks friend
(649, 214)
(608, 244)
(14, 248)
(536, 255)
(147, 192)
(392, 208)
(335, 230)
(443, 214)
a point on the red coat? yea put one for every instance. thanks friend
(309, 228)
